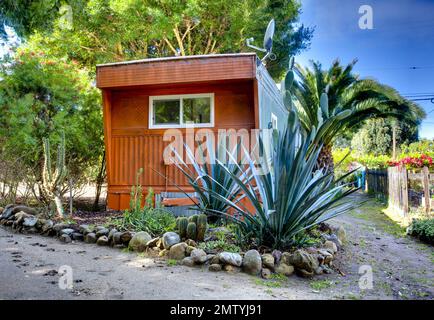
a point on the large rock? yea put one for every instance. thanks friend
(341, 234)
(169, 239)
(30, 222)
(268, 261)
(47, 227)
(231, 269)
(330, 246)
(60, 226)
(177, 251)
(198, 256)
(265, 273)
(252, 262)
(90, 238)
(111, 234)
(68, 231)
(65, 238)
(230, 258)
(77, 236)
(126, 237)
(187, 261)
(102, 241)
(215, 267)
(26, 209)
(139, 240)
(102, 232)
(8, 212)
(85, 229)
(117, 238)
(302, 260)
(285, 269)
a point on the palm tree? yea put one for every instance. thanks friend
(331, 101)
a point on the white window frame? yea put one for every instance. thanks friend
(152, 125)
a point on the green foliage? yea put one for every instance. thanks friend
(42, 96)
(288, 197)
(375, 136)
(154, 220)
(422, 229)
(116, 30)
(416, 149)
(335, 100)
(320, 284)
(172, 262)
(219, 245)
(374, 162)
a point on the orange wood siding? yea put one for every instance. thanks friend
(131, 145)
(194, 69)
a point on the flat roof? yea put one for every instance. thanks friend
(203, 56)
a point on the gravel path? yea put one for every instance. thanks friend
(29, 265)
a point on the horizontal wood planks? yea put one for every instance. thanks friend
(193, 69)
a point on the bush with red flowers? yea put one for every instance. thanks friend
(413, 162)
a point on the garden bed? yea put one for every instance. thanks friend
(214, 249)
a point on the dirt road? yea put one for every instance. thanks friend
(29, 265)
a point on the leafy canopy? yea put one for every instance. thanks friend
(97, 31)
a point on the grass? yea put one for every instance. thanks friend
(172, 262)
(270, 284)
(376, 212)
(320, 284)
(275, 281)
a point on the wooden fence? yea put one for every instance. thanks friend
(403, 188)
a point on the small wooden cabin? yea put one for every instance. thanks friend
(143, 98)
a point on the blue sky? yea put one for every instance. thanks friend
(402, 38)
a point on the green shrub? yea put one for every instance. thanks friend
(219, 245)
(422, 229)
(154, 220)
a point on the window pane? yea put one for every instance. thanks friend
(166, 111)
(197, 110)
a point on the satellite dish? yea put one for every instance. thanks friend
(268, 42)
(268, 37)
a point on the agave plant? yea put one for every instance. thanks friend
(208, 177)
(286, 196)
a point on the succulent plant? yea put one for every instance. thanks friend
(201, 226)
(181, 225)
(193, 218)
(191, 231)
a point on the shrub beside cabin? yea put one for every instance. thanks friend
(142, 99)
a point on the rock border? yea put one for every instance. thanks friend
(303, 262)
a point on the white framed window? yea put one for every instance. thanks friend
(273, 121)
(178, 111)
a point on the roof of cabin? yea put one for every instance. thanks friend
(177, 70)
(202, 56)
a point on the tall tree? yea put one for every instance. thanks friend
(96, 31)
(334, 100)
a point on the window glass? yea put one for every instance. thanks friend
(166, 111)
(197, 110)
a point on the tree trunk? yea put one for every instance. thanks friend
(325, 159)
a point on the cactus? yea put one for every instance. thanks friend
(52, 181)
(182, 223)
(191, 231)
(201, 226)
(286, 85)
(193, 218)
